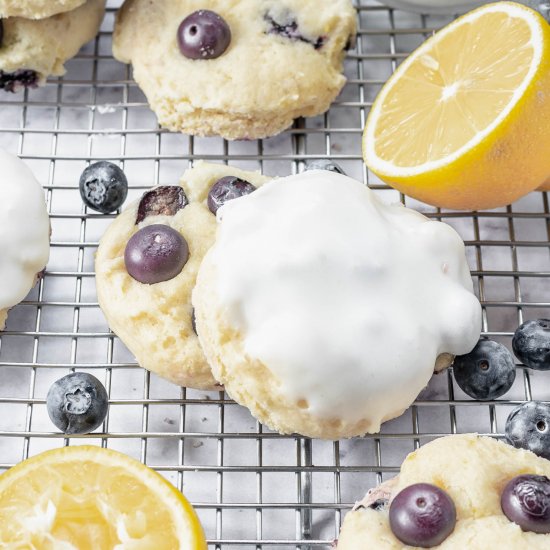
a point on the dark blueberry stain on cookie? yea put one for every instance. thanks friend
(165, 200)
(379, 504)
(291, 30)
(23, 78)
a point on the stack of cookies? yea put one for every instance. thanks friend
(37, 37)
(276, 290)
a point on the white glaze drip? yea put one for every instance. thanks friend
(25, 230)
(346, 300)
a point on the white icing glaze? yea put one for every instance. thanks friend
(346, 300)
(25, 230)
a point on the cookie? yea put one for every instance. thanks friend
(36, 9)
(32, 50)
(324, 311)
(473, 470)
(25, 232)
(280, 60)
(155, 321)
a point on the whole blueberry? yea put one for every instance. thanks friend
(324, 164)
(526, 501)
(203, 35)
(77, 403)
(528, 427)
(155, 253)
(422, 515)
(103, 187)
(227, 189)
(487, 372)
(531, 344)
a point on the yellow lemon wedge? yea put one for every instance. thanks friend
(464, 122)
(89, 498)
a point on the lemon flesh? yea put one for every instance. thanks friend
(463, 122)
(88, 498)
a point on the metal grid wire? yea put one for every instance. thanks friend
(252, 488)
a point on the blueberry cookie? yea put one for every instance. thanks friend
(37, 9)
(147, 263)
(24, 244)
(324, 311)
(31, 50)
(243, 69)
(456, 493)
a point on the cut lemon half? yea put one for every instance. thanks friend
(89, 498)
(464, 122)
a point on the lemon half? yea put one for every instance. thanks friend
(464, 122)
(89, 498)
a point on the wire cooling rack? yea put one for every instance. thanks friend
(253, 489)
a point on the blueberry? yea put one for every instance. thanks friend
(77, 403)
(422, 515)
(531, 344)
(155, 253)
(164, 200)
(487, 372)
(227, 189)
(324, 164)
(103, 187)
(526, 501)
(528, 427)
(203, 35)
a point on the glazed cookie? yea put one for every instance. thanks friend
(25, 232)
(155, 319)
(324, 311)
(473, 472)
(243, 69)
(31, 50)
(36, 9)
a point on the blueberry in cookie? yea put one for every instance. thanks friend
(203, 35)
(155, 253)
(455, 493)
